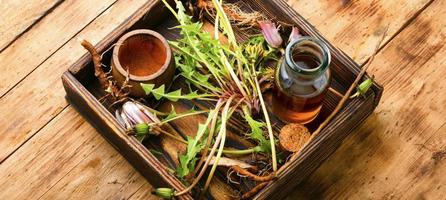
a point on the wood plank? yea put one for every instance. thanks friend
(45, 38)
(40, 96)
(61, 165)
(91, 186)
(143, 193)
(19, 16)
(400, 151)
(356, 26)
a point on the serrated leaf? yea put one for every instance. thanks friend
(191, 95)
(188, 160)
(174, 96)
(194, 146)
(147, 88)
(172, 114)
(158, 93)
(201, 77)
(257, 133)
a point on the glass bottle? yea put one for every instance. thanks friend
(301, 80)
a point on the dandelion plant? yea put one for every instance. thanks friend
(230, 75)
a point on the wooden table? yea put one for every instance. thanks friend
(48, 151)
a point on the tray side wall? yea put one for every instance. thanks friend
(128, 146)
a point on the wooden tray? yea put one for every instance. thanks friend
(83, 92)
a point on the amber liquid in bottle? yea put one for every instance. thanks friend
(298, 98)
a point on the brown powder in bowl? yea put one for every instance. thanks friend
(293, 137)
(142, 55)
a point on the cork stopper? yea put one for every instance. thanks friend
(293, 137)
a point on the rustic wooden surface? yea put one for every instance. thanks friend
(48, 151)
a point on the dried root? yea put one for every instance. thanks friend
(247, 21)
(254, 190)
(98, 72)
(118, 94)
(240, 18)
(244, 173)
(248, 174)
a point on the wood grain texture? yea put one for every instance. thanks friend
(40, 96)
(356, 26)
(400, 152)
(61, 165)
(343, 69)
(397, 139)
(46, 37)
(29, 12)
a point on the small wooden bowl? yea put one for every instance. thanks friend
(146, 55)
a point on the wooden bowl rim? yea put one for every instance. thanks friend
(118, 66)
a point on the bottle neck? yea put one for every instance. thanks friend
(306, 58)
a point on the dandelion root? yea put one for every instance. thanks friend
(254, 190)
(254, 177)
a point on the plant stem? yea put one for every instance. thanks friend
(171, 10)
(210, 137)
(225, 151)
(225, 23)
(242, 152)
(170, 135)
(222, 142)
(234, 77)
(156, 112)
(268, 125)
(177, 117)
(203, 169)
(334, 91)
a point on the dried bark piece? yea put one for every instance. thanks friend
(293, 137)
